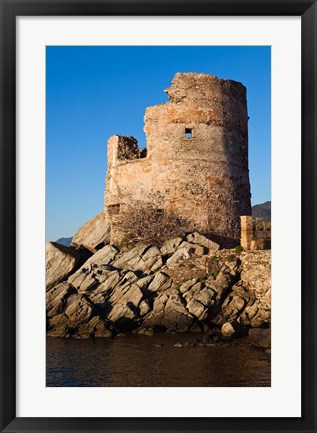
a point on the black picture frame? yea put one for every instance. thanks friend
(10, 9)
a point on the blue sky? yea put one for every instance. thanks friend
(95, 92)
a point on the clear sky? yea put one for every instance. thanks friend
(95, 92)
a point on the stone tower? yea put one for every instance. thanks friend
(196, 160)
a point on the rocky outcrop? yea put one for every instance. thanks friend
(184, 286)
(94, 234)
(61, 261)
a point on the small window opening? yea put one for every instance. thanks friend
(188, 132)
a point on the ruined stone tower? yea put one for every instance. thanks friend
(196, 160)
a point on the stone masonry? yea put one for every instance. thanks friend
(195, 163)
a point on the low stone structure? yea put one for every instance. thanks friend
(255, 234)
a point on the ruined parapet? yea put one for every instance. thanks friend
(246, 232)
(252, 238)
(197, 158)
(121, 148)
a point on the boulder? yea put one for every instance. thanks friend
(161, 282)
(94, 234)
(231, 309)
(87, 278)
(142, 257)
(61, 261)
(227, 330)
(170, 246)
(78, 310)
(199, 300)
(95, 327)
(233, 329)
(104, 256)
(197, 238)
(180, 254)
(198, 250)
(169, 312)
(56, 298)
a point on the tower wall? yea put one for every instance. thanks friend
(196, 161)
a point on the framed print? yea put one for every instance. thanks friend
(157, 309)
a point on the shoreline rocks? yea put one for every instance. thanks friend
(142, 290)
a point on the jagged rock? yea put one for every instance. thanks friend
(222, 285)
(61, 261)
(198, 250)
(56, 298)
(94, 268)
(197, 238)
(152, 259)
(180, 254)
(144, 307)
(187, 285)
(142, 258)
(169, 312)
(78, 309)
(89, 277)
(161, 282)
(95, 327)
(126, 294)
(262, 317)
(57, 326)
(131, 258)
(231, 309)
(199, 299)
(123, 316)
(94, 234)
(170, 246)
(104, 256)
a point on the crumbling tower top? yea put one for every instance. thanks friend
(197, 88)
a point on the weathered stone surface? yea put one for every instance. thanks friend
(61, 261)
(197, 238)
(104, 256)
(90, 277)
(169, 312)
(161, 282)
(95, 327)
(199, 299)
(170, 246)
(78, 310)
(180, 254)
(101, 258)
(198, 250)
(141, 258)
(56, 298)
(94, 234)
